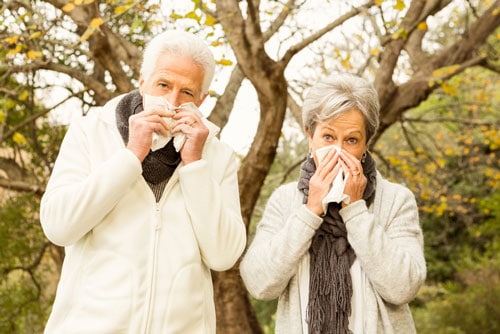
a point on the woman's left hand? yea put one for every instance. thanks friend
(356, 182)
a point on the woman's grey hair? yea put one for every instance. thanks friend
(181, 43)
(337, 94)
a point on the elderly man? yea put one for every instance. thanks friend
(144, 198)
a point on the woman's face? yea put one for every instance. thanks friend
(348, 131)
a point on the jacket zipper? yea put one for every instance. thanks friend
(152, 281)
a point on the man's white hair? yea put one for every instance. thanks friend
(181, 43)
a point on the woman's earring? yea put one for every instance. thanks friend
(363, 158)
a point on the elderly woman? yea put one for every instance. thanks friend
(341, 248)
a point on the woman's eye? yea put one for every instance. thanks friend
(352, 140)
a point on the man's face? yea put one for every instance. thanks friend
(176, 78)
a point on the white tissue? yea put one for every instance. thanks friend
(336, 193)
(158, 140)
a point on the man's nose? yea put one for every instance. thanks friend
(173, 98)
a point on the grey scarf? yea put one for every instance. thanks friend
(158, 165)
(331, 256)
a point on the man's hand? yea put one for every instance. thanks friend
(189, 123)
(141, 129)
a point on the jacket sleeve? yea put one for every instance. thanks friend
(79, 194)
(389, 246)
(282, 238)
(212, 199)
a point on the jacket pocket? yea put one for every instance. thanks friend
(190, 294)
(104, 297)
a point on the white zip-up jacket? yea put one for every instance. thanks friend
(133, 265)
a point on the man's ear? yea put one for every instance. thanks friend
(141, 84)
(203, 97)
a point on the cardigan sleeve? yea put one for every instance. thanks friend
(282, 238)
(388, 242)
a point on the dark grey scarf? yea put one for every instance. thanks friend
(331, 257)
(158, 165)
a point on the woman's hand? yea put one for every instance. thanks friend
(356, 182)
(321, 181)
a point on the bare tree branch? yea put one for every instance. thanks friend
(293, 50)
(21, 186)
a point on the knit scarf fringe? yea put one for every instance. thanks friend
(331, 257)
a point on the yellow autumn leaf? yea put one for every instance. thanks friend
(24, 95)
(87, 34)
(2, 117)
(78, 2)
(87, 2)
(192, 15)
(400, 5)
(445, 71)
(375, 52)
(121, 9)
(379, 3)
(18, 138)
(16, 50)
(422, 26)
(95, 23)
(210, 20)
(68, 7)
(11, 40)
(449, 89)
(401, 33)
(32, 54)
(175, 16)
(225, 62)
(35, 35)
(346, 63)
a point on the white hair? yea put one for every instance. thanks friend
(182, 43)
(337, 94)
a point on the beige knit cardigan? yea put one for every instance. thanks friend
(386, 238)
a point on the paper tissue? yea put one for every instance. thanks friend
(336, 193)
(159, 140)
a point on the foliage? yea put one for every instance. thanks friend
(25, 288)
(467, 305)
(448, 151)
